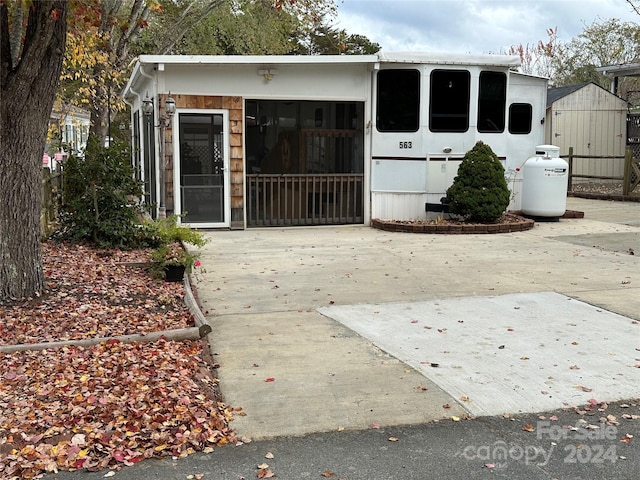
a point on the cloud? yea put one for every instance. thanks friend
(472, 26)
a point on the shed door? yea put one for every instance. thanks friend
(203, 169)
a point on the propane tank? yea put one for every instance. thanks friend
(544, 183)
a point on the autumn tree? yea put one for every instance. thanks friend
(99, 43)
(32, 45)
(251, 27)
(539, 58)
(111, 32)
(327, 40)
(605, 42)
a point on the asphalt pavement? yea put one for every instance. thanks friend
(326, 314)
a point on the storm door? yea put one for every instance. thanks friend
(203, 169)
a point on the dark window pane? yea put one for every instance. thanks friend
(491, 102)
(398, 101)
(449, 103)
(520, 115)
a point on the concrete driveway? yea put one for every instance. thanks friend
(331, 328)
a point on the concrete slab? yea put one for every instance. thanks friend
(295, 373)
(624, 213)
(513, 353)
(627, 243)
(260, 289)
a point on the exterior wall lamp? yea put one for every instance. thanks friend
(267, 73)
(169, 110)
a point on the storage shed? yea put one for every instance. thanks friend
(593, 121)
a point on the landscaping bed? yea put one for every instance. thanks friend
(112, 404)
(507, 223)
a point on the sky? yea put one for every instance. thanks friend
(472, 26)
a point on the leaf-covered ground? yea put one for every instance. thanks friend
(112, 404)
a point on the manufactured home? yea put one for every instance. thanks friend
(245, 141)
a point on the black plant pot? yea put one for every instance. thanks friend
(174, 273)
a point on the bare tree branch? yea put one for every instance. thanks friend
(634, 7)
(139, 15)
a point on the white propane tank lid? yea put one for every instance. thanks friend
(548, 151)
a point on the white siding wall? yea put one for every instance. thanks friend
(398, 206)
(303, 81)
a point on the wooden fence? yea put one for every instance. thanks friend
(51, 197)
(630, 179)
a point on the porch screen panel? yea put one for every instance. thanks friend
(202, 168)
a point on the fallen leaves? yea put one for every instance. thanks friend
(94, 294)
(583, 388)
(114, 403)
(265, 472)
(627, 438)
(628, 416)
(140, 411)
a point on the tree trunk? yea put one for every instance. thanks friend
(100, 105)
(28, 90)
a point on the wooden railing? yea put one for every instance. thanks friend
(630, 179)
(318, 199)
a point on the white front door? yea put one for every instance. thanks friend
(202, 168)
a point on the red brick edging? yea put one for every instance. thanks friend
(517, 224)
(520, 224)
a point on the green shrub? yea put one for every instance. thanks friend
(165, 231)
(101, 199)
(170, 239)
(479, 191)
